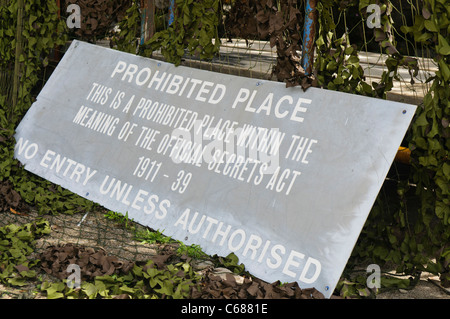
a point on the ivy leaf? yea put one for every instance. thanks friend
(54, 290)
(339, 80)
(126, 289)
(395, 282)
(430, 26)
(423, 37)
(54, 295)
(363, 4)
(444, 69)
(442, 211)
(444, 47)
(166, 288)
(32, 18)
(89, 289)
(421, 120)
(446, 170)
(17, 281)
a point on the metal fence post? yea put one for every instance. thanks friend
(309, 32)
(147, 20)
(171, 12)
(15, 93)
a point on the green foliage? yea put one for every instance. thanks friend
(128, 38)
(155, 237)
(337, 63)
(193, 31)
(430, 142)
(356, 286)
(394, 233)
(152, 237)
(231, 262)
(193, 251)
(338, 66)
(42, 31)
(16, 244)
(120, 219)
(142, 282)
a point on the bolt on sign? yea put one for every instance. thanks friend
(283, 178)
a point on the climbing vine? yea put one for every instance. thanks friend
(430, 143)
(127, 40)
(415, 241)
(194, 31)
(16, 245)
(42, 32)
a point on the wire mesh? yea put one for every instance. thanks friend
(247, 54)
(90, 229)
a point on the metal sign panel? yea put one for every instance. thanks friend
(283, 178)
